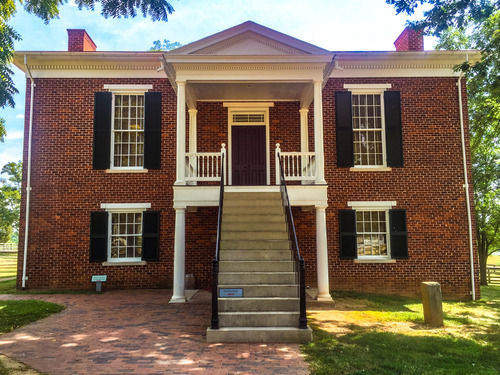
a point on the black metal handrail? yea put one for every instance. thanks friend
(215, 261)
(300, 259)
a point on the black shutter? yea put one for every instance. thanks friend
(102, 130)
(393, 131)
(152, 130)
(343, 115)
(150, 235)
(347, 225)
(98, 236)
(399, 236)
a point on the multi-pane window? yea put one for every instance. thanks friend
(126, 235)
(371, 233)
(367, 123)
(128, 131)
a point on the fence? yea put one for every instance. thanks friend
(8, 247)
(493, 275)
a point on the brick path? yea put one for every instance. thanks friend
(138, 332)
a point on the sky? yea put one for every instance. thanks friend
(337, 25)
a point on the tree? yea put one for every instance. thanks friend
(10, 200)
(166, 46)
(158, 10)
(468, 24)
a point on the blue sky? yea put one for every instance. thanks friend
(338, 25)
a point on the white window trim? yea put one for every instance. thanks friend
(247, 108)
(123, 89)
(372, 89)
(376, 206)
(122, 208)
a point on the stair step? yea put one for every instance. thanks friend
(259, 304)
(265, 290)
(252, 218)
(259, 319)
(255, 245)
(253, 210)
(259, 334)
(253, 226)
(252, 202)
(257, 266)
(274, 195)
(256, 235)
(256, 278)
(235, 255)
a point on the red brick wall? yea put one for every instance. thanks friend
(66, 189)
(410, 40)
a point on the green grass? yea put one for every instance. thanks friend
(470, 343)
(494, 260)
(8, 265)
(15, 314)
(9, 287)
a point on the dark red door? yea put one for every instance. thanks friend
(249, 155)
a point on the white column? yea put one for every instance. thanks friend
(193, 146)
(304, 131)
(318, 133)
(181, 133)
(322, 256)
(192, 130)
(179, 256)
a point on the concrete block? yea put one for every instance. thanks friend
(432, 300)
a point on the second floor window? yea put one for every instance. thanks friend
(128, 131)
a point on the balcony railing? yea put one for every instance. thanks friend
(205, 166)
(297, 166)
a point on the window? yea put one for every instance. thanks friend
(128, 131)
(126, 236)
(368, 122)
(124, 233)
(127, 128)
(368, 132)
(373, 231)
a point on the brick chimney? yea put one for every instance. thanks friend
(410, 40)
(80, 41)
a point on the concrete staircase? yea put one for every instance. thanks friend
(256, 256)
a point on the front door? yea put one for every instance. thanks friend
(249, 155)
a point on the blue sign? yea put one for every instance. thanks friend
(231, 293)
(101, 278)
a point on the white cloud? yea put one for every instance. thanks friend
(20, 115)
(11, 135)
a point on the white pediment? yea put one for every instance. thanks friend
(249, 43)
(248, 39)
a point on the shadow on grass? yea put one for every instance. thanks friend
(367, 351)
(378, 302)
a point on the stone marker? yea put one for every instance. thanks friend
(432, 300)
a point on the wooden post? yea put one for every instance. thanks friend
(432, 300)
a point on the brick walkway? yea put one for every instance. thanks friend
(138, 332)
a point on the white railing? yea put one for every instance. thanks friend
(205, 166)
(297, 166)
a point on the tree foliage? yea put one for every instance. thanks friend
(469, 24)
(166, 45)
(10, 200)
(157, 10)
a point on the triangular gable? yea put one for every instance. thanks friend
(249, 38)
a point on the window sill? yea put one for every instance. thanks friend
(374, 260)
(126, 170)
(374, 169)
(138, 263)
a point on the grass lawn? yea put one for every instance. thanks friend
(372, 334)
(494, 260)
(14, 314)
(8, 265)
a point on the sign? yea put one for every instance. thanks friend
(99, 278)
(232, 293)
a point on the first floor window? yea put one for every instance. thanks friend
(126, 236)
(373, 231)
(124, 233)
(372, 236)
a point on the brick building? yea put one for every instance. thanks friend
(125, 153)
